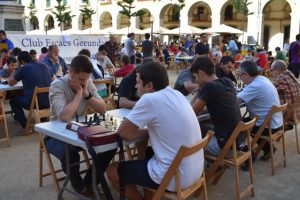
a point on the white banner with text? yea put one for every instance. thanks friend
(69, 45)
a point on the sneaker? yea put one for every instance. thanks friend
(267, 155)
(288, 127)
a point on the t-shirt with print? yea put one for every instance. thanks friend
(60, 94)
(34, 74)
(260, 95)
(222, 105)
(171, 123)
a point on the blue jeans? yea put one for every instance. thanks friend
(213, 147)
(18, 103)
(58, 149)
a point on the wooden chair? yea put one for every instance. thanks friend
(110, 102)
(3, 118)
(271, 138)
(295, 120)
(174, 171)
(230, 156)
(52, 171)
(45, 113)
(34, 109)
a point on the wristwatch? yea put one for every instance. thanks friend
(88, 96)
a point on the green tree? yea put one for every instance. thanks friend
(177, 10)
(127, 7)
(87, 12)
(63, 17)
(241, 6)
(32, 18)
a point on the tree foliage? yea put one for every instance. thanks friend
(87, 12)
(127, 7)
(179, 7)
(62, 16)
(32, 18)
(241, 6)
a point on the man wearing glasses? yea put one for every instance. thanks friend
(259, 95)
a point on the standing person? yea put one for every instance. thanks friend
(160, 108)
(69, 96)
(32, 74)
(130, 47)
(259, 95)
(202, 48)
(56, 64)
(147, 47)
(232, 46)
(4, 39)
(286, 47)
(44, 52)
(294, 56)
(33, 55)
(112, 49)
(280, 55)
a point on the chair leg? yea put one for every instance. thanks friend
(27, 127)
(86, 158)
(297, 142)
(205, 189)
(52, 171)
(283, 150)
(272, 157)
(6, 130)
(41, 166)
(237, 183)
(251, 175)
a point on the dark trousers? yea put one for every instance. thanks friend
(132, 59)
(295, 68)
(58, 149)
(18, 103)
(266, 147)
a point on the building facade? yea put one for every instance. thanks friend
(271, 22)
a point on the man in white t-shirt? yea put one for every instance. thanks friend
(259, 95)
(171, 123)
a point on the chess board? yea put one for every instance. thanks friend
(96, 119)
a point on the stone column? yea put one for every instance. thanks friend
(295, 25)
(11, 16)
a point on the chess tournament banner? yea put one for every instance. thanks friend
(69, 45)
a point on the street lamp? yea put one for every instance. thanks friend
(46, 26)
(151, 21)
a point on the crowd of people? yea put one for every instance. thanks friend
(171, 120)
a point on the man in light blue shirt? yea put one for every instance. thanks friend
(130, 47)
(232, 46)
(259, 95)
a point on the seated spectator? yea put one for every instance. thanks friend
(238, 57)
(191, 51)
(4, 39)
(125, 69)
(261, 59)
(85, 52)
(103, 60)
(15, 52)
(55, 62)
(259, 95)
(9, 69)
(156, 95)
(287, 86)
(166, 55)
(44, 52)
(280, 55)
(173, 48)
(32, 74)
(186, 82)
(181, 53)
(3, 57)
(217, 54)
(249, 55)
(69, 96)
(224, 69)
(33, 55)
(219, 96)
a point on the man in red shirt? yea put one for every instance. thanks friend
(261, 58)
(125, 69)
